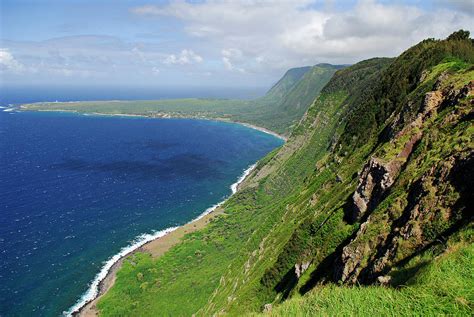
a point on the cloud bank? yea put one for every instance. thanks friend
(248, 42)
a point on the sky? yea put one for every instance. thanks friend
(209, 43)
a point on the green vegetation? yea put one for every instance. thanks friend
(281, 108)
(443, 286)
(287, 82)
(389, 93)
(287, 237)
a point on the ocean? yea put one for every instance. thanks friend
(75, 190)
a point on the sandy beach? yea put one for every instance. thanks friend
(248, 125)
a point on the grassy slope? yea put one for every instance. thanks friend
(442, 137)
(287, 82)
(197, 264)
(277, 111)
(310, 199)
(320, 238)
(291, 209)
(285, 110)
(443, 286)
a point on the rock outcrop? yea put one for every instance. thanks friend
(300, 268)
(428, 211)
(374, 180)
(379, 174)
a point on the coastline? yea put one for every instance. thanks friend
(264, 130)
(164, 116)
(156, 244)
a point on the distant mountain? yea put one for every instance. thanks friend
(298, 99)
(287, 82)
(366, 210)
(286, 102)
(282, 107)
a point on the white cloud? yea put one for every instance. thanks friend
(281, 34)
(8, 62)
(146, 10)
(370, 19)
(248, 42)
(185, 57)
(140, 55)
(232, 52)
(80, 58)
(462, 5)
(230, 56)
(229, 66)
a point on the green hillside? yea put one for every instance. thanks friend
(287, 82)
(365, 210)
(442, 286)
(286, 109)
(277, 111)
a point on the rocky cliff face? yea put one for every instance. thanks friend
(376, 174)
(389, 189)
(430, 209)
(383, 159)
(375, 179)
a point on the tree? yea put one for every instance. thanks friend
(459, 35)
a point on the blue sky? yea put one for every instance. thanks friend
(207, 43)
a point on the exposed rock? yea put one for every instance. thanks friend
(369, 261)
(408, 148)
(432, 101)
(444, 75)
(375, 179)
(351, 257)
(376, 176)
(267, 308)
(366, 259)
(423, 76)
(384, 280)
(300, 268)
(430, 190)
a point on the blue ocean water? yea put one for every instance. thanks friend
(76, 189)
(35, 93)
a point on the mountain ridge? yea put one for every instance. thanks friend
(285, 83)
(277, 111)
(372, 183)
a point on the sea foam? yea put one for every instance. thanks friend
(93, 290)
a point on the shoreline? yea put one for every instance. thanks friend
(164, 116)
(156, 244)
(264, 130)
